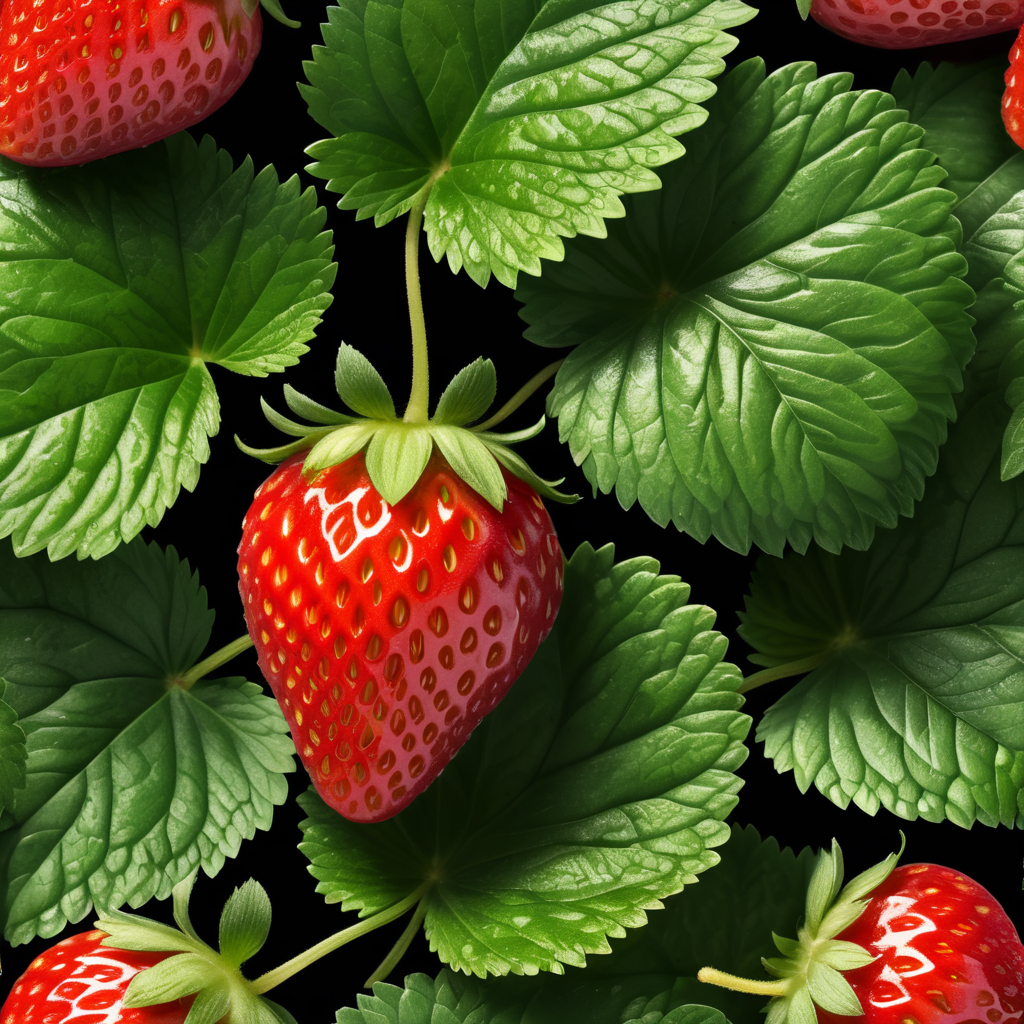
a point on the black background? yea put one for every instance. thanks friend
(268, 120)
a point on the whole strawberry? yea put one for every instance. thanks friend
(82, 79)
(83, 981)
(392, 607)
(901, 24)
(921, 943)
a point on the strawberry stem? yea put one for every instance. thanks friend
(791, 668)
(711, 976)
(188, 679)
(398, 950)
(520, 396)
(418, 409)
(273, 978)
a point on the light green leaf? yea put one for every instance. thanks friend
(174, 978)
(958, 106)
(276, 11)
(472, 461)
(12, 754)
(244, 923)
(119, 282)
(767, 348)
(918, 703)
(469, 395)
(395, 459)
(843, 956)
(652, 969)
(209, 1007)
(831, 991)
(595, 789)
(824, 886)
(516, 122)
(360, 386)
(339, 445)
(133, 781)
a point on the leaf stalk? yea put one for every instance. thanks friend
(390, 962)
(520, 396)
(188, 679)
(790, 668)
(273, 978)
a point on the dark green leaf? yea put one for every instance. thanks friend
(918, 704)
(516, 122)
(958, 106)
(133, 781)
(244, 923)
(754, 888)
(595, 789)
(469, 395)
(119, 281)
(767, 347)
(12, 754)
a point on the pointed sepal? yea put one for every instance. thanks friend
(244, 923)
(469, 395)
(361, 387)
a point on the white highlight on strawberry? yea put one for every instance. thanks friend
(352, 499)
(896, 908)
(115, 975)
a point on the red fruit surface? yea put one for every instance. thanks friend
(78, 981)
(1013, 97)
(388, 632)
(82, 79)
(900, 24)
(947, 953)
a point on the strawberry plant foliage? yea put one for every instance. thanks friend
(756, 888)
(119, 282)
(135, 775)
(12, 754)
(766, 348)
(596, 788)
(917, 703)
(524, 121)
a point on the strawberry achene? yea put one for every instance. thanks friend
(83, 79)
(901, 24)
(388, 632)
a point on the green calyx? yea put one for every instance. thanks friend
(809, 973)
(272, 7)
(398, 449)
(804, 7)
(221, 993)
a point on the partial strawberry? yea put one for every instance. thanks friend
(1013, 97)
(394, 596)
(82, 79)
(919, 943)
(133, 970)
(902, 24)
(80, 979)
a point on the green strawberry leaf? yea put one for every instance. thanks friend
(133, 780)
(755, 887)
(12, 754)
(917, 703)
(767, 347)
(120, 281)
(958, 106)
(595, 789)
(360, 386)
(244, 923)
(456, 999)
(517, 123)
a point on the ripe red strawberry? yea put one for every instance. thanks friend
(921, 944)
(947, 952)
(82, 79)
(81, 981)
(900, 24)
(1013, 97)
(386, 631)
